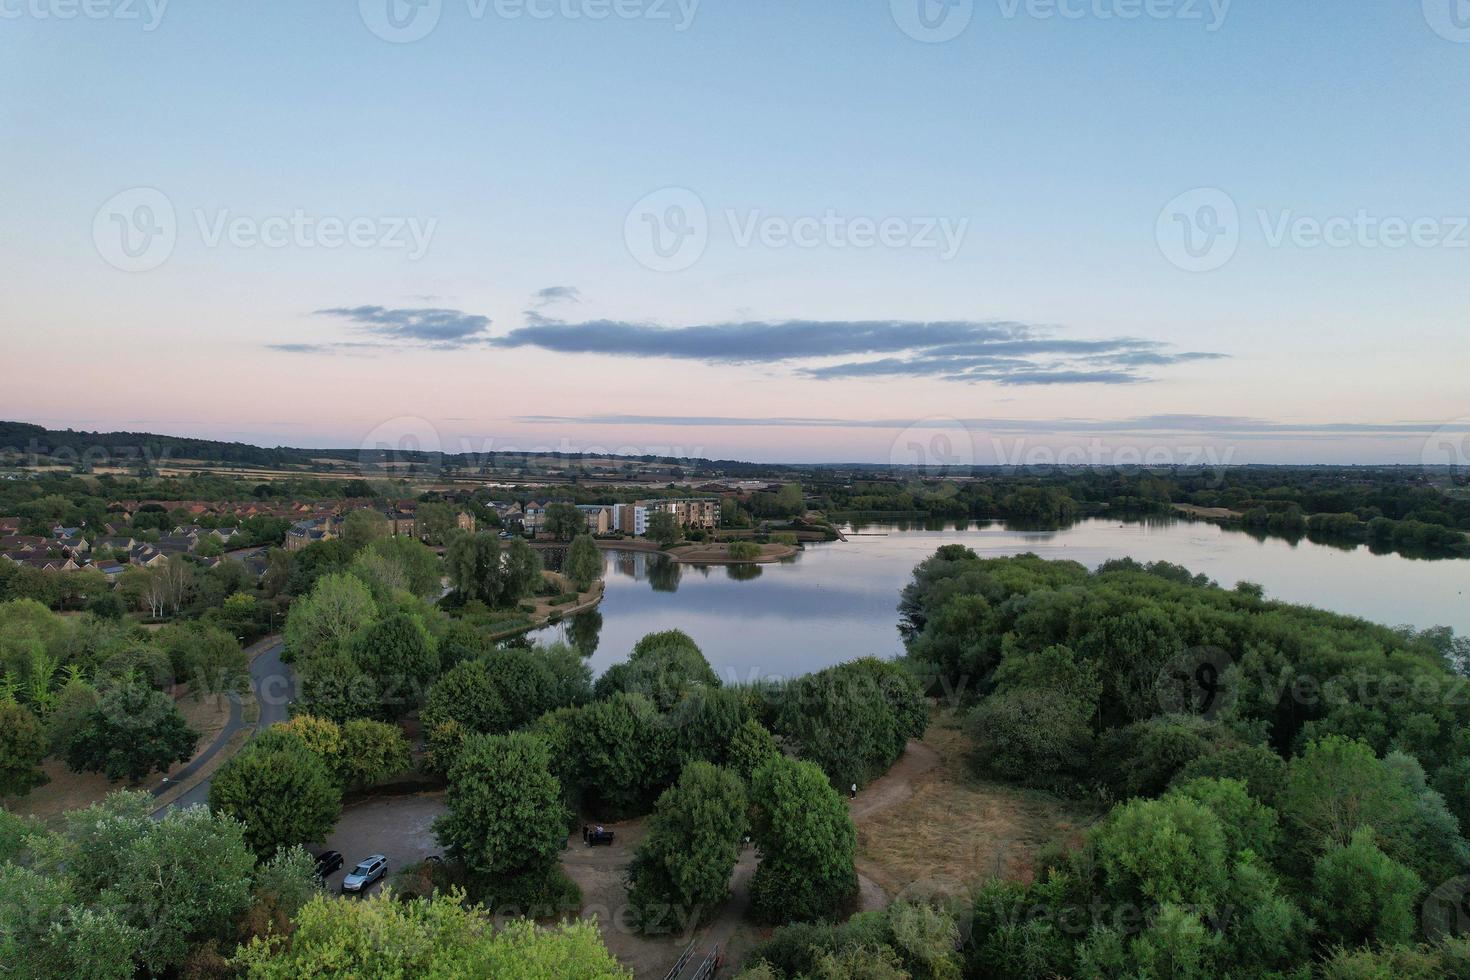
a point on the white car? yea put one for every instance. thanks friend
(368, 870)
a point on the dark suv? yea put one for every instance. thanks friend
(328, 862)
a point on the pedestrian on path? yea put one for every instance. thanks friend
(854, 791)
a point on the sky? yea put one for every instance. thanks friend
(917, 231)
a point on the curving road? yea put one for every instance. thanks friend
(274, 686)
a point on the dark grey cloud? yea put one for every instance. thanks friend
(556, 294)
(1000, 351)
(429, 326)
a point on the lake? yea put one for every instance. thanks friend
(836, 601)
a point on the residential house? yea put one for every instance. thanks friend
(112, 569)
(630, 519)
(303, 533)
(599, 517)
(533, 515)
(51, 564)
(75, 547)
(9, 526)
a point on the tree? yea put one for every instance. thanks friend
(681, 871)
(1169, 850)
(1038, 731)
(584, 563)
(172, 882)
(806, 840)
(22, 747)
(474, 566)
(132, 731)
(622, 746)
(371, 752)
(207, 657)
(522, 573)
(338, 606)
(664, 529)
(69, 714)
(504, 817)
(280, 790)
(663, 666)
(398, 653)
(465, 701)
(426, 937)
(751, 747)
(563, 521)
(707, 723)
(397, 564)
(1362, 896)
(361, 528)
(47, 935)
(435, 522)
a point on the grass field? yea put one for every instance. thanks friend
(958, 830)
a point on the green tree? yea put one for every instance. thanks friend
(504, 816)
(623, 746)
(173, 882)
(522, 574)
(372, 752)
(436, 522)
(47, 935)
(664, 666)
(361, 528)
(751, 747)
(398, 564)
(473, 563)
(1170, 850)
(400, 655)
(338, 606)
(664, 529)
(133, 731)
(681, 871)
(584, 563)
(465, 701)
(22, 747)
(1362, 896)
(280, 790)
(806, 840)
(563, 521)
(437, 937)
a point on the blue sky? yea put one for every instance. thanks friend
(1025, 169)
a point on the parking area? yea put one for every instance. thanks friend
(399, 827)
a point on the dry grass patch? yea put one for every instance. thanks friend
(959, 829)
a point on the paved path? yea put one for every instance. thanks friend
(274, 686)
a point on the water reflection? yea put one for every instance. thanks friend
(836, 601)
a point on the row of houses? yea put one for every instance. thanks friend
(403, 521)
(700, 512)
(70, 549)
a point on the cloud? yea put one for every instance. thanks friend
(1001, 351)
(556, 294)
(436, 328)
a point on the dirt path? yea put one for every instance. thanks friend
(896, 785)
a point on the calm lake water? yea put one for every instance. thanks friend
(837, 601)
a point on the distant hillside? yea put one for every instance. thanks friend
(27, 439)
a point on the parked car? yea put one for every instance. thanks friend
(327, 862)
(368, 870)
